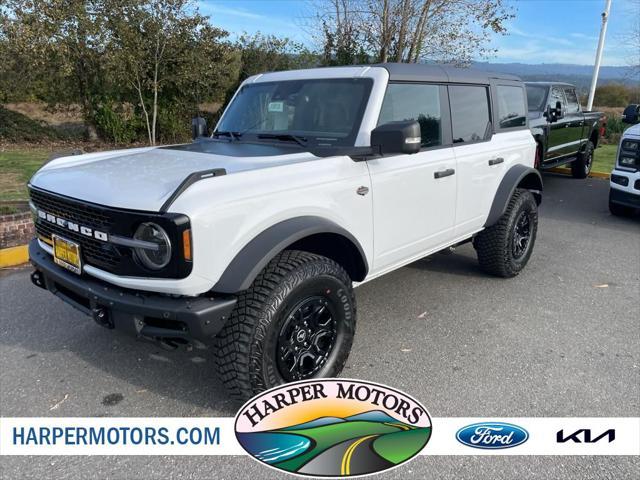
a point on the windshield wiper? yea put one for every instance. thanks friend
(232, 135)
(286, 137)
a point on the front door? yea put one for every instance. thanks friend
(575, 119)
(560, 135)
(414, 196)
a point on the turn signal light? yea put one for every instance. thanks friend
(186, 245)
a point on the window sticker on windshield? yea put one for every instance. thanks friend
(276, 106)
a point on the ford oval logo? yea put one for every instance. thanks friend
(492, 435)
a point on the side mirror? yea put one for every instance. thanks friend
(397, 137)
(198, 127)
(631, 114)
(559, 110)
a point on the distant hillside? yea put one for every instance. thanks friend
(579, 75)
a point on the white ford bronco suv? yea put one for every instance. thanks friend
(251, 240)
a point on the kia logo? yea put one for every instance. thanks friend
(492, 435)
(584, 436)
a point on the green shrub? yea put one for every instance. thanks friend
(117, 123)
(174, 124)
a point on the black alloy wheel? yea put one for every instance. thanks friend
(306, 338)
(521, 235)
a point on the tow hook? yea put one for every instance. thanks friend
(37, 279)
(102, 317)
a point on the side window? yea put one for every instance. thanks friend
(573, 105)
(469, 113)
(555, 96)
(405, 101)
(511, 111)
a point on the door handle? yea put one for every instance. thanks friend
(496, 161)
(444, 173)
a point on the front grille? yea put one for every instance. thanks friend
(72, 210)
(93, 251)
(113, 258)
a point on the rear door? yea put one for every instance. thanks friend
(414, 196)
(480, 165)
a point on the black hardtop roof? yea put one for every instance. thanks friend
(414, 72)
(550, 84)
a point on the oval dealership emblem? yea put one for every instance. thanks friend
(333, 428)
(492, 435)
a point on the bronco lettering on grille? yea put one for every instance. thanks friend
(73, 227)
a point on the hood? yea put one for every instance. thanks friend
(633, 131)
(144, 178)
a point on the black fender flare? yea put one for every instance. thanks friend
(530, 179)
(255, 255)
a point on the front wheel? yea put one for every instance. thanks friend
(505, 248)
(581, 166)
(296, 322)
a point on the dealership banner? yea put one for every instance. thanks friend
(218, 436)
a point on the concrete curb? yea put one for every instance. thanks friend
(14, 256)
(567, 171)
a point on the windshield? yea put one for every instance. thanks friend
(323, 112)
(535, 97)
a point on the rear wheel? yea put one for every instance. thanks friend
(295, 322)
(581, 166)
(505, 248)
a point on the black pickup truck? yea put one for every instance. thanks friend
(564, 132)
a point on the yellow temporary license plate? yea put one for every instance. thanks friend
(66, 254)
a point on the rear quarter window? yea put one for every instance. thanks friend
(469, 113)
(510, 106)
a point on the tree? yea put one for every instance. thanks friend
(159, 58)
(453, 31)
(166, 53)
(269, 53)
(616, 95)
(58, 45)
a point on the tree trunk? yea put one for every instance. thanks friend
(402, 34)
(138, 88)
(416, 41)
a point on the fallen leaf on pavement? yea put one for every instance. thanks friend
(55, 407)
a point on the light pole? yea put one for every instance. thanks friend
(596, 68)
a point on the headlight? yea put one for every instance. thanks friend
(629, 145)
(160, 257)
(627, 160)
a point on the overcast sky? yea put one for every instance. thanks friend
(543, 31)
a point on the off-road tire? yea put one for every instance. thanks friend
(581, 166)
(495, 244)
(245, 349)
(619, 210)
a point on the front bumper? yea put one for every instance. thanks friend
(627, 194)
(142, 314)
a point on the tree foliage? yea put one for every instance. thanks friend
(452, 31)
(616, 95)
(140, 69)
(160, 57)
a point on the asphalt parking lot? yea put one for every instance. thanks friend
(562, 339)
